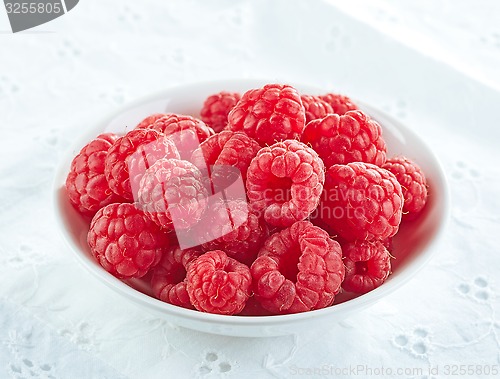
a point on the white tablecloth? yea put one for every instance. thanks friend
(56, 321)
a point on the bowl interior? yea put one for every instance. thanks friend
(412, 244)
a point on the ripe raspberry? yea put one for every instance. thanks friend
(87, 187)
(269, 114)
(298, 269)
(360, 201)
(388, 244)
(185, 131)
(341, 104)
(413, 183)
(315, 107)
(226, 148)
(285, 182)
(236, 229)
(125, 242)
(172, 194)
(353, 137)
(367, 265)
(218, 284)
(131, 155)
(216, 108)
(150, 120)
(168, 281)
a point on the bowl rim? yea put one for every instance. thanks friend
(167, 309)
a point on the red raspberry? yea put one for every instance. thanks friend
(388, 244)
(226, 148)
(285, 182)
(315, 107)
(269, 114)
(218, 284)
(298, 269)
(131, 155)
(150, 120)
(413, 183)
(367, 265)
(185, 131)
(172, 191)
(87, 187)
(353, 137)
(341, 104)
(236, 229)
(168, 281)
(125, 242)
(216, 108)
(360, 201)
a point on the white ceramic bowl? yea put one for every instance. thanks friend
(413, 245)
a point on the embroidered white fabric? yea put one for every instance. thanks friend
(57, 321)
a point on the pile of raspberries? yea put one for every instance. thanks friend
(321, 202)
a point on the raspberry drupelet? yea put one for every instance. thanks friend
(151, 119)
(284, 182)
(131, 155)
(269, 114)
(226, 148)
(168, 281)
(360, 201)
(125, 242)
(173, 194)
(315, 107)
(219, 284)
(298, 269)
(367, 265)
(341, 104)
(87, 187)
(186, 132)
(352, 137)
(217, 107)
(237, 230)
(413, 183)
